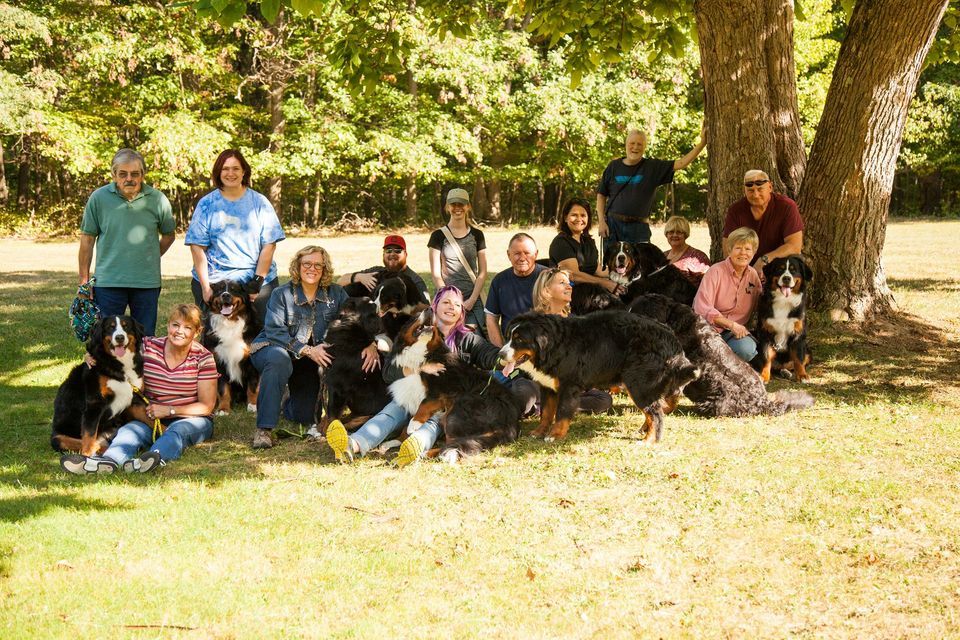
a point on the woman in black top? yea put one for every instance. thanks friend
(575, 250)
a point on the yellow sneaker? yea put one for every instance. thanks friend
(339, 441)
(410, 451)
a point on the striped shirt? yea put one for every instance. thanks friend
(178, 386)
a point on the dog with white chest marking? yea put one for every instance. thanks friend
(91, 403)
(781, 318)
(229, 328)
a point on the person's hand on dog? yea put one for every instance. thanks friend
(369, 280)
(89, 360)
(433, 368)
(738, 330)
(371, 358)
(318, 354)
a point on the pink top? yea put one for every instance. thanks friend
(721, 292)
(692, 264)
(177, 386)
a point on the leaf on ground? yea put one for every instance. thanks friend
(63, 564)
(530, 574)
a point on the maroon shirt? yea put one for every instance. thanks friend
(781, 219)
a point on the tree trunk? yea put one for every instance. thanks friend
(278, 76)
(493, 199)
(4, 190)
(478, 199)
(410, 180)
(749, 79)
(846, 192)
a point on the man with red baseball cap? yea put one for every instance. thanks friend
(394, 261)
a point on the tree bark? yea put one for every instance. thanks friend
(278, 76)
(846, 193)
(749, 79)
(4, 190)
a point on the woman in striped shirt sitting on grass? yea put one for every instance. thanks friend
(180, 381)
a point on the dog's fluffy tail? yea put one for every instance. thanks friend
(792, 400)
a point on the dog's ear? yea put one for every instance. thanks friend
(137, 329)
(96, 335)
(768, 273)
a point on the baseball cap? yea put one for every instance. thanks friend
(395, 241)
(458, 196)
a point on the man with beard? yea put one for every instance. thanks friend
(131, 224)
(394, 261)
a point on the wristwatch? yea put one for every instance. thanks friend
(765, 259)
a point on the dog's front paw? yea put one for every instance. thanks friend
(221, 412)
(252, 408)
(450, 456)
(413, 426)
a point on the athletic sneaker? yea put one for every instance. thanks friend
(82, 465)
(147, 462)
(410, 451)
(339, 442)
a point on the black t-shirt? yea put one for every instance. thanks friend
(452, 269)
(630, 189)
(564, 247)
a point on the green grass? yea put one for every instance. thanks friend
(837, 522)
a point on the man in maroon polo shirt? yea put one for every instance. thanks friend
(774, 217)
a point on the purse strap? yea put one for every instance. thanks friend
(456, 247)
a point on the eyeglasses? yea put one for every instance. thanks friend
(393, 250)
(133, 175)
(308, 266)
(755, 183)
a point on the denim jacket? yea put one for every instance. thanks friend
(291, 321)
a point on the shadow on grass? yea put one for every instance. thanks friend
(895, 359)
(931, 285)
(21, 508)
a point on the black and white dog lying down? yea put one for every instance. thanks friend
(567, 356)
(640, 268)
(727, 385)
(478, 412)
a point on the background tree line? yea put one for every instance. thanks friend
(499, 112)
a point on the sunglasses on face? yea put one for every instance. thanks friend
(393, 250)
(755, 183)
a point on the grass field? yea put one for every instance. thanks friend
(839, 522)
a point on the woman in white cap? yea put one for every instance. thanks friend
(458, 257)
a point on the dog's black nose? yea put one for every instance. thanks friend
(120, 339)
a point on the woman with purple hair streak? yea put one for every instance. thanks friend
(470, 347)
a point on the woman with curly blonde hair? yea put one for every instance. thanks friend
(290, 349)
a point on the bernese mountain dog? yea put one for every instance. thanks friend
(727, 386)
(781, 317)
(344, 384)
(398, 300)
(229, 328)
(90, 403)
(640, 268)
(567, 356)
(478, 412)
(655, 274)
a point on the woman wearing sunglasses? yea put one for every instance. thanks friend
(774, 217)
(290, 349)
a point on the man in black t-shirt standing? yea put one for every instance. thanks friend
(627, 187)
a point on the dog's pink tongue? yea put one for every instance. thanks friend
(508, 368)
(786, 291)
(226, 310)
(119, 352)
(621, 270)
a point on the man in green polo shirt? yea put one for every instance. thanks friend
(132, 225)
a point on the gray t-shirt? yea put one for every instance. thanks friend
(453, 271)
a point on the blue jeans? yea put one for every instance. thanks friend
(178, 435)
(745, 347)
(632, 232)
(392, 417)
(278, 369)
(113, 301)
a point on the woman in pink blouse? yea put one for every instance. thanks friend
(692, 263)
(729, 293)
